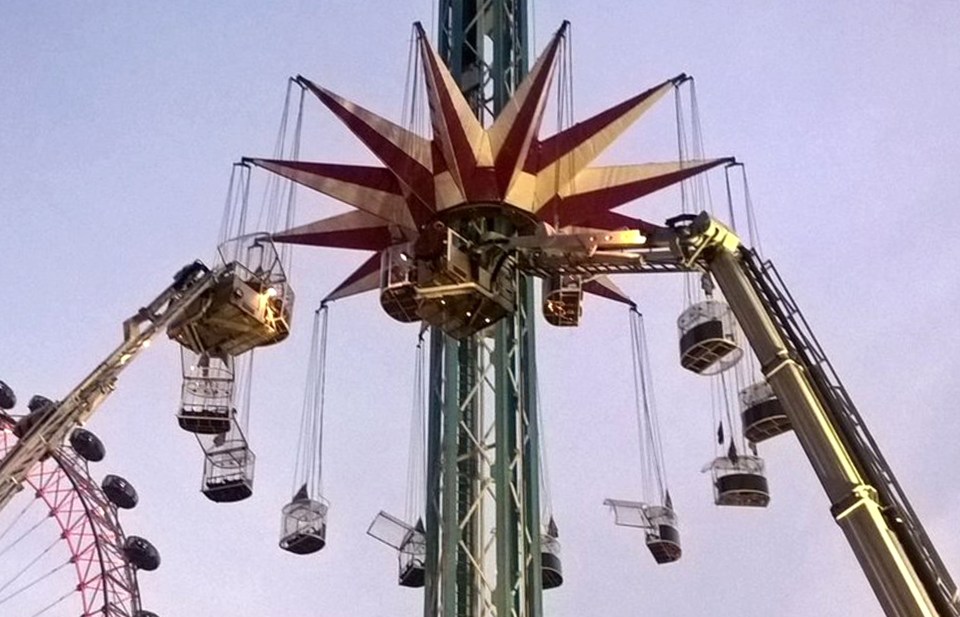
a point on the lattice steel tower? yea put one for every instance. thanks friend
(483, 503)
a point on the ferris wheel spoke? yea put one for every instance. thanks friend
(27, 567)
(21, 537)
(34, 582)
(15, 520)
(54, 603)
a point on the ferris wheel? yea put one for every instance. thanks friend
(73, 557)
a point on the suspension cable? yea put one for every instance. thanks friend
(16, 520)
(244, 383)
(55, 603)
(414, 507)
(21, 537)
(308, 472)
(564, 118)
(35, 582)
(730, 210)
(654, 482)
(546, 503)
(27, 567)
(286, 250)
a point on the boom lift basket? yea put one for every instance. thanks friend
(249, 305)
(708, 342)
(206, 399)
(762, 414)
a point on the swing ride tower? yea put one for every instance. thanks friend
(459, 224)
(482, 509)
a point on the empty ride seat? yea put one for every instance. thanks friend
(663, 533)
(304, 526)
(206, 398)
(228, 472)
(708, 342)
(664, 543)
(412, 574)
(227, 490)
(87, 445)
(141, 553)
(742, 489)
(551, 568)
(739, 481)
(205, 420)
(120, 492)
(412, 556)
(762, 413)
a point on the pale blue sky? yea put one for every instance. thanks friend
(118, 125)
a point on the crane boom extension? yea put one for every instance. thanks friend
(895, 553)
(899, 513)
(49, 431)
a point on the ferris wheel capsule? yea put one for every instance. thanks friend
(141, 553)
(120, 492)
(87, 445)
(40, 407)
(8, 400)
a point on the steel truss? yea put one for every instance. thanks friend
(89, 527)
(483, 501)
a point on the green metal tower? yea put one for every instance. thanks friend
(483, 503)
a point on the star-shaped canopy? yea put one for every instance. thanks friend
(550, 180)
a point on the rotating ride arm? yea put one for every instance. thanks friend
(48, 432)
(899, 560)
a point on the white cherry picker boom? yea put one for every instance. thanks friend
(224, 311)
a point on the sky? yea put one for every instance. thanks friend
(118, 126)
